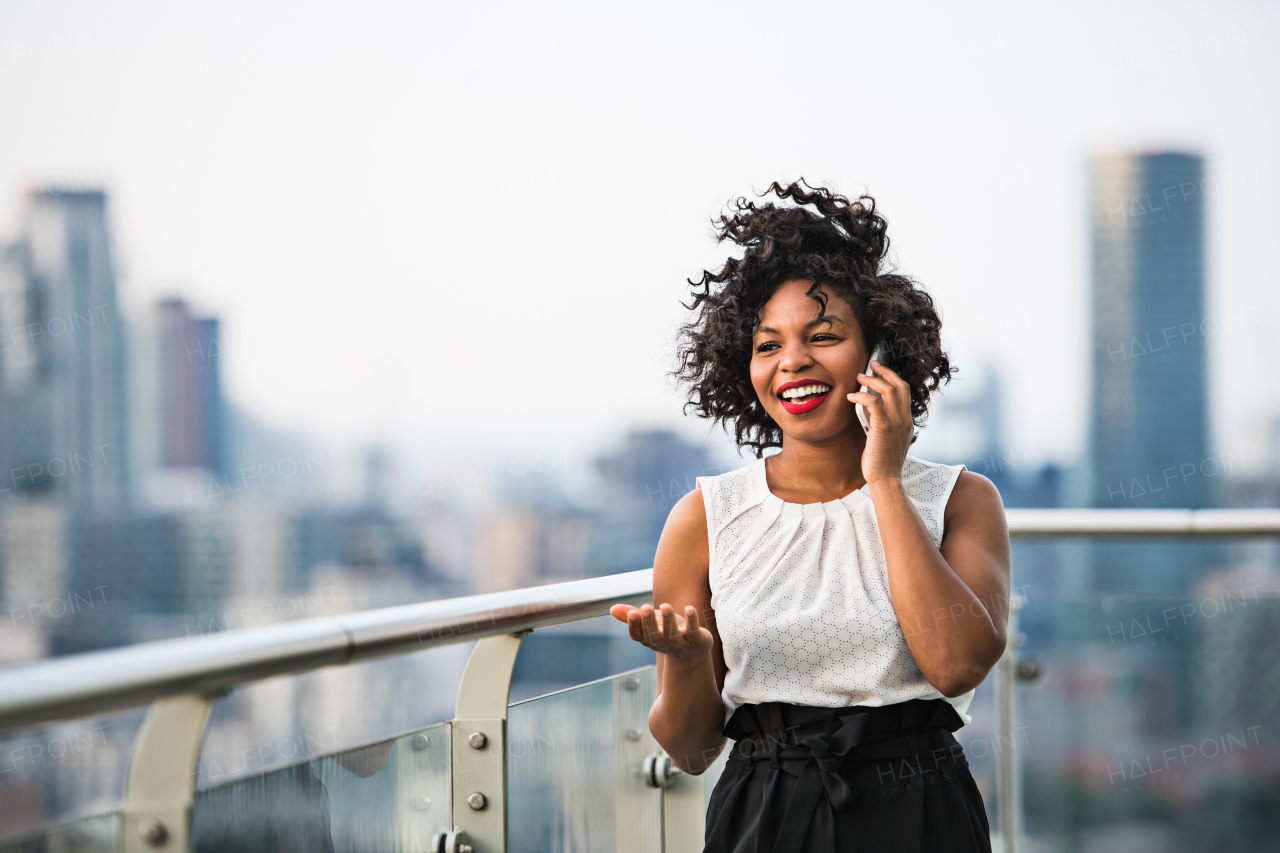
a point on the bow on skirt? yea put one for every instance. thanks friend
(878, 779)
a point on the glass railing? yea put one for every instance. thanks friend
(1153, 725)
(52, 776)
(96, 834)
(386, 797)
(580, 777)
(574, 764)
(1125, 716)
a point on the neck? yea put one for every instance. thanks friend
(827, 470)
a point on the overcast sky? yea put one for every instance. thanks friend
(466, 224)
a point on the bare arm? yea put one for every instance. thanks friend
(688, 716)
(952, 603)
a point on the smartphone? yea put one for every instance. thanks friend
(878, 354)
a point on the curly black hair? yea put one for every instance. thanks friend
(840, 245)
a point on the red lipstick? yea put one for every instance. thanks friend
(809, 403)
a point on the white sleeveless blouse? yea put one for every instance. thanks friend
(801, 593)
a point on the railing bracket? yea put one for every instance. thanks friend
(161, 787)
(479, 737)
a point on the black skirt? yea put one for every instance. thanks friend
(802, 779)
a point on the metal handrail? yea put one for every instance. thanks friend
(1025, 523)
(106, 681)
(116, 679)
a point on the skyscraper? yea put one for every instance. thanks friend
(22, 437)
(190, 388)
(1149, 426)
(66, 402)
(1149, 423)
(179, 421)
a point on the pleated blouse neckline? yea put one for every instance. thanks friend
(778, 507)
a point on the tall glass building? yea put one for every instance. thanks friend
(1149, 444)
(68, 411)
(1149, 432)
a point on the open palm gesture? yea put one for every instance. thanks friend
(681, 638)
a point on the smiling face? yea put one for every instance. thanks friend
(802, 367)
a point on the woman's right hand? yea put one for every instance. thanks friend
(683, 639)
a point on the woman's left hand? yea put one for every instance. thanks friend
(889, 436)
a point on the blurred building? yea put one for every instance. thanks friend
(522, 531)
(1149, 423)
(966, 429)
(192, 432)
(365, 537)
(521, 546)
(63, 398)
(360, 539)
(1149, 444)
(264, 463)
(33, 569)
(222, 566)
(1236, 611)
(180, 427)
(641, 482)
(23, 441)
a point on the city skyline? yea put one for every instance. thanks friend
(180, 440)
(301, 247)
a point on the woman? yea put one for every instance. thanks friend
(830, 607)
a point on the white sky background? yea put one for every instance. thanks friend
(468, 226)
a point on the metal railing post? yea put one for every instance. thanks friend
(162, 776)
(1008, 801)
(684, 814)
(479, 750)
